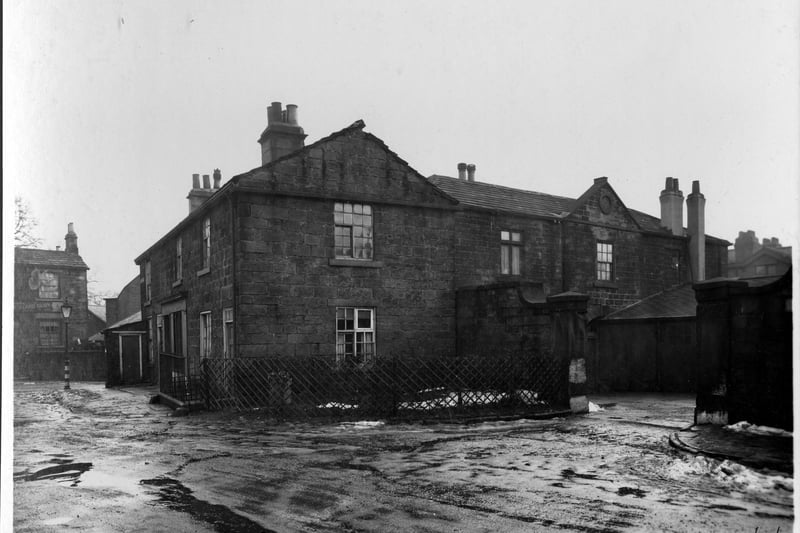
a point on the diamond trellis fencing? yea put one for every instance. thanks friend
(398, 387)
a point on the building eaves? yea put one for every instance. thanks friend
(136, 317)
(48, 258)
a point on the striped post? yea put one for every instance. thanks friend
(66, 373)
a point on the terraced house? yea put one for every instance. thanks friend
(340, 248)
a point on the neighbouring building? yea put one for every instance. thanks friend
(341, 248)
(44, 280)
(128, 350)
(748, 258)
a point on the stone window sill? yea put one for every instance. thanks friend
(362, 263)
(203, 272)
(177, 283)
(605, 285)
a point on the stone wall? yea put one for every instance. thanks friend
(745, 352)
(290, 283)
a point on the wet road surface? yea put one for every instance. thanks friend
(93, 459)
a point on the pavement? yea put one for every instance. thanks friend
(769, 452)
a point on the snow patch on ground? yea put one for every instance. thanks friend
(593, 408)
(337, 405)
(730, 473)
(747, 427)
(362, 424)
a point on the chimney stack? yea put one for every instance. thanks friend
(462, 171)
(198, 195)
(696, 226)
(217, 178)
(672, 207)
(745, 246)
(71, 240)
(283, 135)
(470, 172)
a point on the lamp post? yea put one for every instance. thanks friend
(66, 310)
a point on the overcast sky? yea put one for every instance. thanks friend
(111, 106)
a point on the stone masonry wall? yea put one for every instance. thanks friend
(210, 290)
(478, 249)
(290, 284)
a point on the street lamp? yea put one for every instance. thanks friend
(66, 310)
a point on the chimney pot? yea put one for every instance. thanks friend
(217, 178)
(195, 181)
(71, 239)
(275, 113)
(695, 187)
(58, 248)
(206, 181)
(291, 114)
(671, 200)
(462, 171)
(470, 172)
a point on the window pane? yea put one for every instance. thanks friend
(364, 319)
(504, 259)
(515, 237)
(367, 210)
(515, 260)
(504, 236)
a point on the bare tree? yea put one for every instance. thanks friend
(25, 224)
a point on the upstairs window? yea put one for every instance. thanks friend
(48, 285)
(206, 243)
(355, 335)
(510, 246)
(148, 286)
(353, 230)
(605, 261)
(179, 259)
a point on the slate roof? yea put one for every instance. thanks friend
(500, 198)
(51, 258)
(135, 317)
(677, 302)
(99, 311)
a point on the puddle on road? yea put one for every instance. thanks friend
(172, 494)
(570, 473)
(69, 473)
(630, 491)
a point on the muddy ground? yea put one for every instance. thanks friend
(98, 460)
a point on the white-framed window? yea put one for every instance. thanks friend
(206, 243)
(510, 247)
(148, 287)
(205, 334)
(179, 259)
(355, 335)
(48, 285)
(605, 261)
(227, 331)
(50, 333)
(352, 230)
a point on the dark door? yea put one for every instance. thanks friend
(131, 358)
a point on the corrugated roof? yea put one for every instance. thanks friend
(54, 258)
(677, 302)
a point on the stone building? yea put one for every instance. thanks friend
(43, 281)
(748, 258)
(341, 247)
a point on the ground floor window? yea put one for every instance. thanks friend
(50, 333)
(355, 335)
(227, 332)
(170, 333)
(205, 334)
